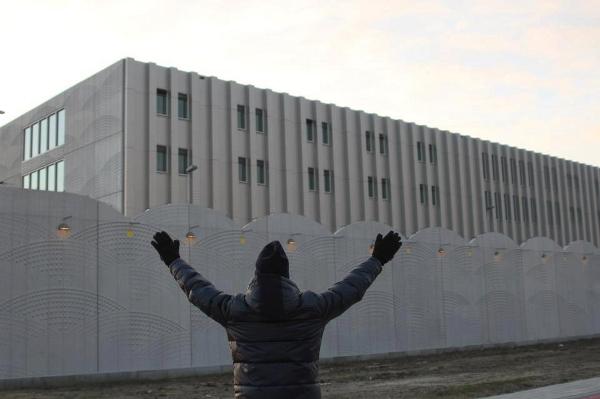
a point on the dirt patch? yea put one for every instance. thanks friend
(464, 374)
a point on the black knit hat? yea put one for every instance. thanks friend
(273, 260)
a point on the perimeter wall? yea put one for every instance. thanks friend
(99, 300)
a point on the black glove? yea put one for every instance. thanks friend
(166, 247)
(386, 247)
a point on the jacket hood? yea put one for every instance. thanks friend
(271, 292)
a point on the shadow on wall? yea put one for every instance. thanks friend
(93, 296)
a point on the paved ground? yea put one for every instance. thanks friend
(582, 389)
(467, 374)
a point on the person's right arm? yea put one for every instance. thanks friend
(343, 294)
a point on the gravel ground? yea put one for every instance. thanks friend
(464, 374)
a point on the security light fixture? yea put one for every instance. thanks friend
(191, 168)
(63, 229)
(441, 252)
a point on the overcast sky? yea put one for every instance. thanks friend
(523, 73)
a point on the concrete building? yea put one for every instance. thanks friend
(126, 135)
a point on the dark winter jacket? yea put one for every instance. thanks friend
(274, 330)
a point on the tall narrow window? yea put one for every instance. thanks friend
(576, 181)
(516, 208)
(533, 211)
(504, 167)
(507, 208)
(547, 177)
(385, 188)
(327, 180)
(513, 171)
(325, 133)
(310, 130)
(183, 161)
(52, 131)
(60, 176)
(432, 153)
(434, 195)
(423, 193)
(498, 205)
(522, 172)
(383, 144)
(52, 177)
(260, 171)
(312, 182)
(572, 213)
(161, 158)
(27, 144)
(26, 182)
(495, 167)
(43, 136)
(34, 180)
(182, 106)
(371, 186)
(530, 171)
(485, 165)
(554, 179)
(524, 206)
(260, 120)
(557, 211)
(579, 216)
(549, 212)
(60, 128)
(369, 141)
(35, 142)
(420, 151)
(242, 170)
(241, 117)
(162, 102)
(43, 184)
(488, 201)
(569, 181)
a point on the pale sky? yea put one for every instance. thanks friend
(522, 73)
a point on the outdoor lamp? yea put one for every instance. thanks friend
(63, 229)
(441, 252)
(190, 237)
(497, 256)
(291, 245)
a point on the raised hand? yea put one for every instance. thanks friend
(386, 247)
(166, 247)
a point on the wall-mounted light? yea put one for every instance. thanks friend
(64, 230)
(497, 256)
(469, 252)
(544, 258)
(190, 236)
(584, 260)
(291, 245)
(130, 233)
(441, 252)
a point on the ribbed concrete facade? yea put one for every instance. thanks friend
(520, 193)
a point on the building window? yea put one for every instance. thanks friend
(43, 136)
(572, 213)
(260, 171)
(260, 121)
(372, 188)
(533, 211)
(516, 207)
(522, 172)
(325, 133)
(52, 138)
(385, 188)
(498, 205)
(35, 131)
(435, 195)
(513, 171)
(432, 153)
(52, 177)
(242, 170)
(162, 99)
(27, 144)
(310, 130)
(507, 209)
(312, 181)
(530, 171)
(161, 158)
(241, 117)
(549, 212)
(383, 144)
(495, 167)
(576, 181)
(485, 165)
(504, 167)
(60, 128)
(547, 177)
(60, 176)
(423, 193)
(183, 161)
(525, 209)
(569, 181)
(43, 184)
(26, 179)
(557, 210)
(420, 151)
(554, 179)
(488, 201)
(34, 180)
(579, 216)
(182, 106)
(327, 179)
(369, 141)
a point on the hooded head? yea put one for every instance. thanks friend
(271, 292)
(273, 260)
